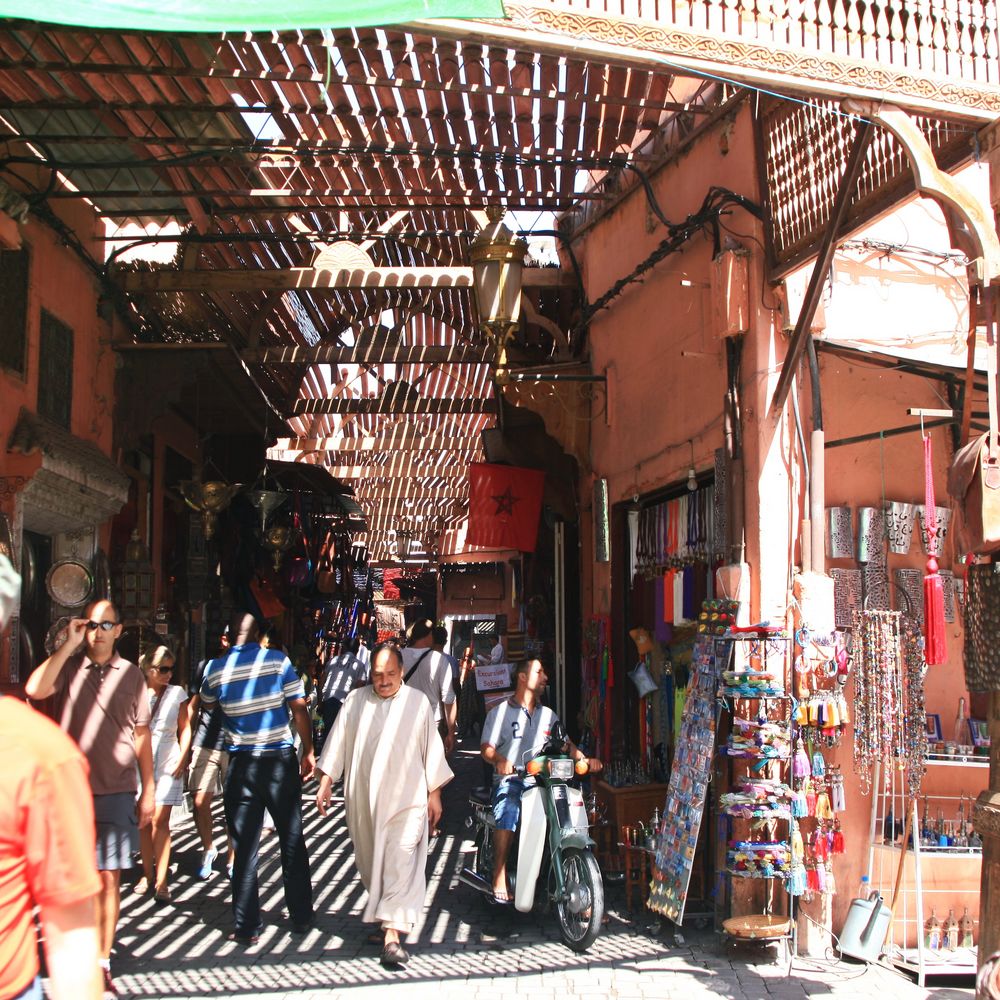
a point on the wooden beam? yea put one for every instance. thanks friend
(291, 278)
(845, 193)
(401, 441)
(423, 470)
(415, 406)
(404, 491)
(285, 74)
(388, 354)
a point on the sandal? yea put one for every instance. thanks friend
(163, 894)
(395, 954)
(143, 887)
(502, 898)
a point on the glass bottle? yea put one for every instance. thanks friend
(965, 927)
(950, 936)
(932, 932)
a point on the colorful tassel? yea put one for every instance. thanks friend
(800, 762)
(831, 884)
(935, 650)
(838, 802)
(810, 800)
(837, 847)
(797, 884)
(821, 878)
(798, 848)
(823, 810)
(799, 806)
(812, 878)
(818, 765)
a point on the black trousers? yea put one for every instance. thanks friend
(254, 783)
(329, 709)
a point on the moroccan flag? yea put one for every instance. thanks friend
(505, 502)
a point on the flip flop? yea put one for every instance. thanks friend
(502, 898)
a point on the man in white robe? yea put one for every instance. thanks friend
(386, 748)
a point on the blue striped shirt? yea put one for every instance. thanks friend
(253, 685)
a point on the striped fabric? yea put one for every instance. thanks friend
(253, 685)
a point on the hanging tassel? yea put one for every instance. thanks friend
(812, 878)
(810, 800)
(818, 765)
(838, 802)
(798, 848)
(800, 762)
(934, 625)
(821, 879)
(831, 885)
(799, 807)
(797, 880)
(837, 847)
(823, 810)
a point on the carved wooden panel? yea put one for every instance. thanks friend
(805, 149)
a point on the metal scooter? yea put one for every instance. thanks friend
(551, 862)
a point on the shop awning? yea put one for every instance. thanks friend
(243, 15)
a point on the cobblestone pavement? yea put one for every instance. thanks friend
(465, 949)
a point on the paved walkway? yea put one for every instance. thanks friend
(465, 950)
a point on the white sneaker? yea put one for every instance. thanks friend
(207, 860)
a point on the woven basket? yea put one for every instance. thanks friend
(757, 927)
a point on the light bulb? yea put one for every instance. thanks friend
(692, 481)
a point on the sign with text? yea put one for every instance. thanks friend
(493, 677)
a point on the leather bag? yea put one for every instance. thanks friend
(974, 476)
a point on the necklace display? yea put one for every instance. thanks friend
(889, 721)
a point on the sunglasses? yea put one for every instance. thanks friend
(163, 670)
(103, 626)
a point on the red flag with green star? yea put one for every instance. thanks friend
(505, 502)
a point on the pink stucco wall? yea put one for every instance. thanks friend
(666, 380)
(64, 286)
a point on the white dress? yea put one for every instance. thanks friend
(389, 754)
(166, 749)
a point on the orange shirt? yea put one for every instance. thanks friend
(46, 834)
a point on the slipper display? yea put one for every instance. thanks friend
(395, 954)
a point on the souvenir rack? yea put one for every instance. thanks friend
(896, 860)
(756, 760)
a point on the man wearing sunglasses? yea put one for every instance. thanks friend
(100, 700)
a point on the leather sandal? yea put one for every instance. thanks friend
(395, 954)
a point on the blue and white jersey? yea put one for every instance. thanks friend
(253, 686)
(517, 734)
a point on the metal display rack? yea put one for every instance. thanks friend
(897, 873)
(772, 648)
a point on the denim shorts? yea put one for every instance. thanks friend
(507, 801)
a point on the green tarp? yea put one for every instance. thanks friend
(241, 15)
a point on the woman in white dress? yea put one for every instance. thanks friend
(168, 725)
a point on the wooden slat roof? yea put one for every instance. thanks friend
(263, 149)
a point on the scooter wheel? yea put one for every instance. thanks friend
(581, 911)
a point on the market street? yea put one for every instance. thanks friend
(465, 949)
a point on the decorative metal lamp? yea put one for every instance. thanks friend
(497, 257)
(404, 543)
(209, 499)
(266, 503)
(277, 540)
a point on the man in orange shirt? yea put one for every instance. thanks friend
(46, 851)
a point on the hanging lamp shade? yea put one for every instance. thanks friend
(497, 257)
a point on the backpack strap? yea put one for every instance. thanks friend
(413, 669)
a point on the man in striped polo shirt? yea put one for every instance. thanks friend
(257, 688)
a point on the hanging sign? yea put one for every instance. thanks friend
(493, 677)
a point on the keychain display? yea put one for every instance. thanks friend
(761, 740)
(757, 798)
(689, 777)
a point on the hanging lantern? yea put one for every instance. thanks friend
(209, 499)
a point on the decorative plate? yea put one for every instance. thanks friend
(69, 583)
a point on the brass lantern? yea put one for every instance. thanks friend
(497, 257)
(209, 499)
(277, 540)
